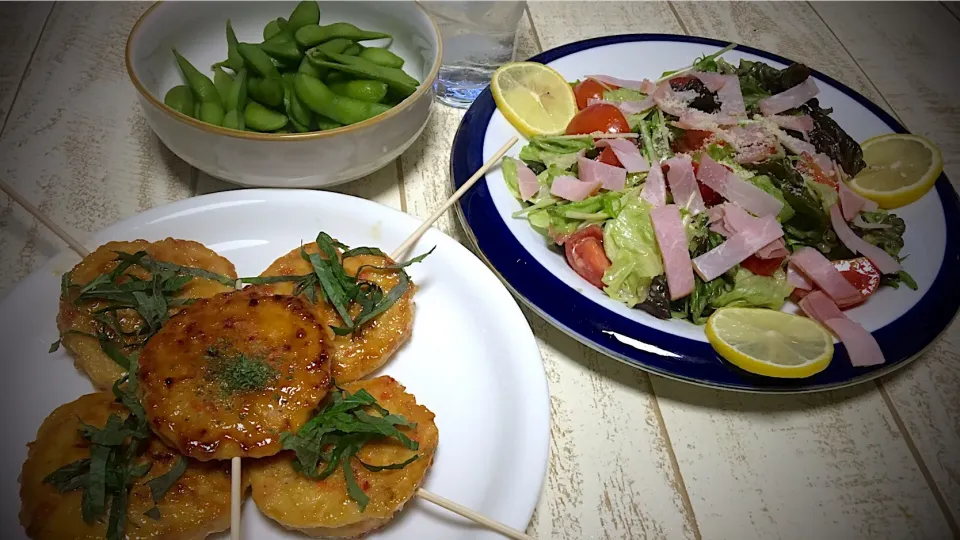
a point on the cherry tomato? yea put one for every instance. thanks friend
(860, 272)
(817, 172)
(692, 140)
(762, 267)
(601, 117)
(587, 89)
(584, 250)
(609, 157)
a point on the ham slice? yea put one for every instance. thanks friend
(735, 189)
(731, 97)
(701, 121)
(822, 272)
(644, 86)
(571, 189)
(880, 258)
(626, 107)
(627, 153)
(526, 180)
(789, 99)
(654, 190)
(713, 81)
(794, 144)
(735, 220)
(671, 102)
(852, 203)
(672, 239)
(797, 279)
(683, 184)
(737, 248)
(862, 348)
(609, 176)
(802, 123)
(753, 143)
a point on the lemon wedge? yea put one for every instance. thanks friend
(770, 343)
(901, 168)
(533, 97)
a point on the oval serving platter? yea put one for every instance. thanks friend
(472, 358)
(903, 321)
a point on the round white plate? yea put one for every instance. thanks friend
(472, 360)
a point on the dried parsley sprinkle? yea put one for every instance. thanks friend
(238, 373)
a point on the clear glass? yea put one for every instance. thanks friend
(478, 37)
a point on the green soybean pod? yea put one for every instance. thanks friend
(298, 113)
(312, 34)
(364, 90)
(222, 81)
(335, 77)
(307, 68)
(324, 123)
(180, 99)
(267, 91)
(234, 61)
(306, 12)
(237, 95)
(282, 47)
(202, 86)
(322, 100)
(397, 79)
(352, 50)
(257, 60)
(211, 112)
(273, 28)
(233, 120)
(260, 118)
(381, 57)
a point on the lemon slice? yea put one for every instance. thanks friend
(533, 97)
(901, 168)
(771, 343)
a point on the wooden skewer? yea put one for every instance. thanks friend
(398, 253)
(36, 213)
(472, 516)
(235, 496)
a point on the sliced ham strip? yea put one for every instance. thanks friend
(880, 258)
(862, 348)
(731, 97)
(824, 162)
(822, 272)
(701, 121)
(802, 123)
(669, 101)
(713, 81)
(683, 184)
(852, 203)
(626, 107)
(797, 279)
(794, 97)
(774, 250)
(623, 83)
(648, 87)
(654, 189)
(672, 239)
(627, 153)
(735, 220)
(526, 180)
(609, 176)
(571, 189)
(735, 189)
(794, 144)
(715, 213)
(737, 248)
(752, 143)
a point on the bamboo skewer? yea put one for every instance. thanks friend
(235, 463)
(405, 245)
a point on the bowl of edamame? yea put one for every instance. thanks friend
(285, 94)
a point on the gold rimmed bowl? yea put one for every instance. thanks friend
(290, 160)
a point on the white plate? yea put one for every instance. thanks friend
(472, 360)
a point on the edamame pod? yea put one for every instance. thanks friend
(364, 90)
(298, 113)
(319, 53)
(211, 112)
(334, 77)
(395, 78)
(222, 81)
(324, 123)
(257, 60)
(233, 120)
(352, 50)
(307, 68)
(234, 61)
(237, 95)
(312, 34)
(260, 118)
(322, 100)
(267, 91)
(202, 86)
(273, 28)
(283, 48)
(306, 12)
(180, 99)
(381, 57)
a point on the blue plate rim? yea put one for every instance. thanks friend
(595, 325)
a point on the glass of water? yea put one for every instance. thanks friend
(478, 37)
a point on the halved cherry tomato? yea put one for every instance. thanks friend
(818, 174)
(691, 140)
(601, 117)
(762, 267)
(587, 89)
(709, 196)
(860, 272)
(584, 250)
(609, 157)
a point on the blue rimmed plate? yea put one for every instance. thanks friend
(903, 321)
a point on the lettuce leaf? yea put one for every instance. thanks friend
(631, 246)
(509, 168)
(827, 194)
(889, 239)
(764, 182)
(751, 290)
(624, 94)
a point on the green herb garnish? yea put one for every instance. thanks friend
(338, 432)
(238, 373)
(340, 289)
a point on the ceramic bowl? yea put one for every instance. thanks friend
(317, 159)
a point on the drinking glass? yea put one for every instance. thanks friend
(478, 37)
